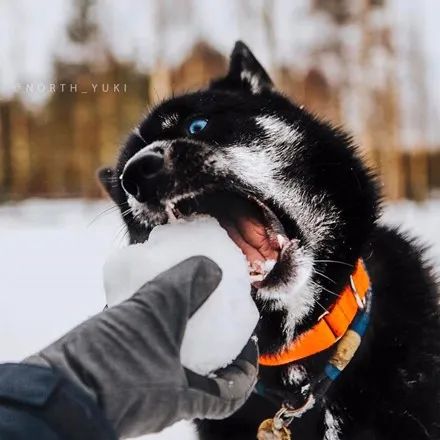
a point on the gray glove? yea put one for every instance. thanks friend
(128, 357)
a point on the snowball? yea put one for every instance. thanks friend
(219, 329)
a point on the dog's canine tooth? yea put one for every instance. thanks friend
(282, 241)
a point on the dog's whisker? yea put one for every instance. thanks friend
(126, 212)
(122, 231)
(334, 261)
(106, 211)
(118, 233)
(325, 289)
(324, 276)
(124, 235)
(320, 305)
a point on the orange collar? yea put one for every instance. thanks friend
(331, 326)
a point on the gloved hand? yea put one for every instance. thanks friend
(128, 357)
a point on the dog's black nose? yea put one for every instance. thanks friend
(141, 174)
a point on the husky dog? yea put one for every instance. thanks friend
(295, 196)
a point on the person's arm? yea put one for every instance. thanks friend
(126, 360)
(40, 403)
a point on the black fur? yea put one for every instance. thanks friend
(390, 390)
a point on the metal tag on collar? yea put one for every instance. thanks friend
(276, 428)
(360, 302)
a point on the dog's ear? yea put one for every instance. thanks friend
(106, 177)
(245, 72)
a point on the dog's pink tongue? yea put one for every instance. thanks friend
(252, 238)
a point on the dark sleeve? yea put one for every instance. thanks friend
(39, 403)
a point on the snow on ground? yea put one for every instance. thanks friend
(51, 259)
(50, 269)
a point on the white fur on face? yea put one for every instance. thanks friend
(332, 426)
(278, 131)
(170, 120)
(297, 297)
(138, 210)
(315, 216)
(144, 215)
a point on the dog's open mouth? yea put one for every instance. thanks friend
(251, 224)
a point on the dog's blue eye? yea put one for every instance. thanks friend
(197, 125)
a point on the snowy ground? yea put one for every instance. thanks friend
(51, 260)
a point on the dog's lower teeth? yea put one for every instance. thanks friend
(256, 278)
(259, 270)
